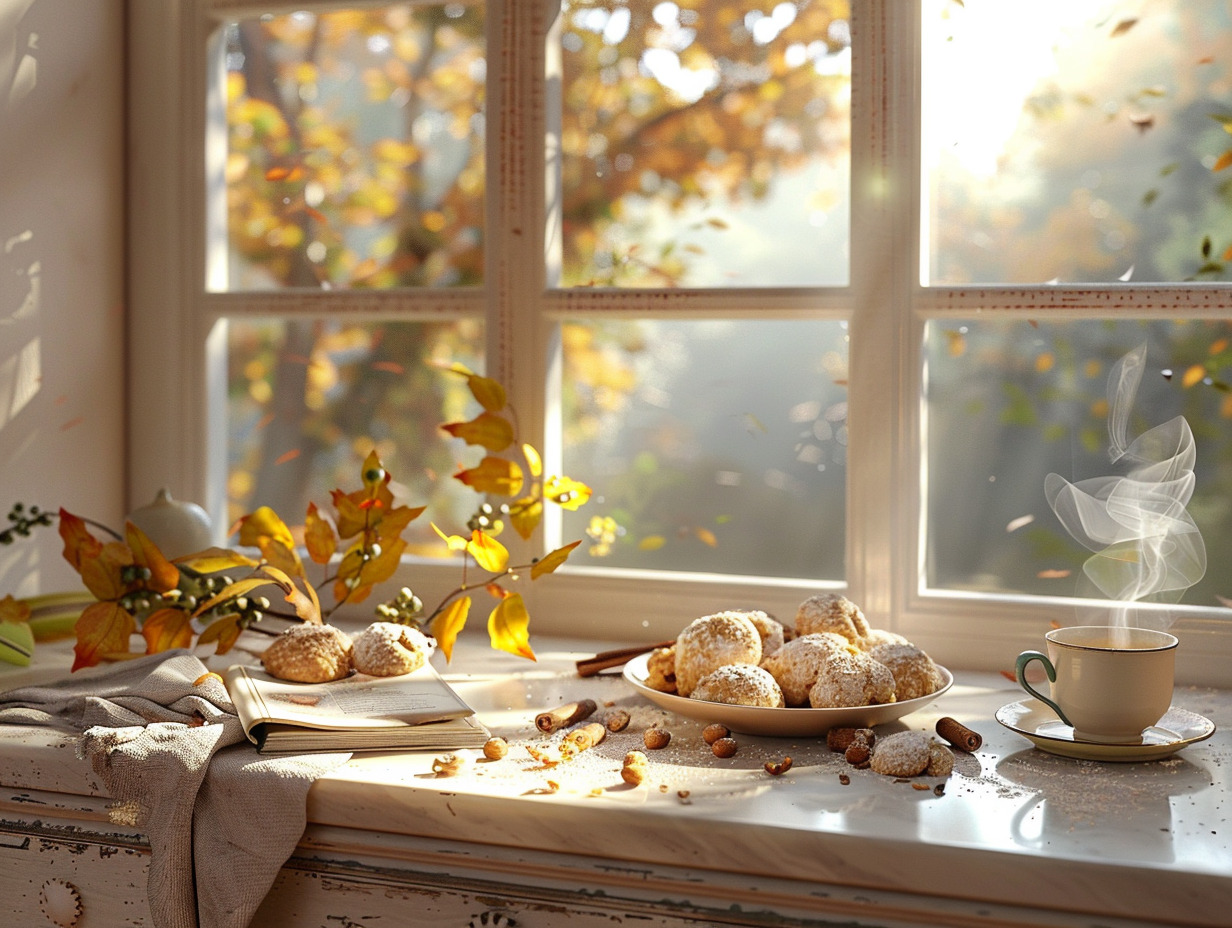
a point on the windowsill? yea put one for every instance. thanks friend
(1016, 836)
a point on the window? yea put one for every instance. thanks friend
(807, 304)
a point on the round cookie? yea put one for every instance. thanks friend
(830, 612)
(387, 649)
(879, 636)
(902, 754)
(796, 665)
(914, 672)
(739, 685)
(850, 679)
(309, 654)
(661, 669)
(770, 629)
(711, 641)
(940, 759)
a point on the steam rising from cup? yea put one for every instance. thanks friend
(1146, 545)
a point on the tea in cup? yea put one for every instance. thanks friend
(1108, 683)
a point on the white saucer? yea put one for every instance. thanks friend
(1039, 724)
(755, 720)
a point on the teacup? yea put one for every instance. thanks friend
(1109, 683)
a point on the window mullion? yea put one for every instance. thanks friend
(885, 336)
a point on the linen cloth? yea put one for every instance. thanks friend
(221, 818)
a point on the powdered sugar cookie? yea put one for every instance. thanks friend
(915, 674)
(797, 664)
(902, 754)
(830, 612)
(711, 642)
(309, 654)
(849, 679)
(740, 685)
(387, 649)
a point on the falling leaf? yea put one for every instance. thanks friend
(287, 456)
(1053, 574)
(651, 543)
(1123, 27)
(391, 367)
(706, 537)
(1193, 375)
(1222, 161)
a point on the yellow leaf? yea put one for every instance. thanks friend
(533, 460)
(319, 536)
(166, 629)
(264, 523)
(566, 492)
(1193, 375)
(706, 537)
(103, 629)
(525, 515)
(548, 563)
(651, 543)
(509, 627)
(212, 560)
(1222, 161)
(488, 553)
(487, 430)
(489, 393)
(493, 475)
(455, 542)
(164, 575)
(448, 623)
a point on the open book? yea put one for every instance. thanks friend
(415, 711)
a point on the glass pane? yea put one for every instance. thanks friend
(705, 144)
(700, 461)
(1077, 141)
(308, 399)
(1009, 403)
(355, 148)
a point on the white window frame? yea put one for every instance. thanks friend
(177, 351)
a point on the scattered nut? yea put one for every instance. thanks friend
(844, 779)
(920, 786)
(495, 748)
(656, 738)
(635, 768)
(618, 720)
(713, 733)
(857, 753)
(839, 739)
(448, 765)
(939, 789)
(683, 796)
(776, 769)
(724, 747)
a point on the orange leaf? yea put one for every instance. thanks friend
(225, 631)
(79, 544)
(319, 536)
(164, 575)
(488, 553)
(449, 623)
(706, 537)
(549, 563)
(103, 629)
(1193, 374)
(488, 430)
(14, 610)
(1222, 161)
(493, 475)
(509, 627)
(166, 629)
(101, 573)
(396, 520)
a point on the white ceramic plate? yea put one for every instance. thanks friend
(784, 723)
(1040, 725)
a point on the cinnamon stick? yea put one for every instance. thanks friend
(959, 735)
(605, 660)
(564, 716)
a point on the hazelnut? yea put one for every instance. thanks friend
(857, 753)
(495, 748)
(778, 768)
(635, 768)
(656, 738)
(713, 733)
(724, 747)
(618, 720)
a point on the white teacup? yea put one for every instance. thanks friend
(1108, 683)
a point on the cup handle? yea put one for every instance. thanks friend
(1020, 673)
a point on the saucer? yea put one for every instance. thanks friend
(1039, 724)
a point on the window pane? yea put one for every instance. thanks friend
(307, 401)
(1076, 140)
(715, 446)
(355, 148)
(1009, 403)
(705, 145)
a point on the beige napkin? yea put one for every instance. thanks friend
(221, 818)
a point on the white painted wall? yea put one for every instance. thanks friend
(62, 313)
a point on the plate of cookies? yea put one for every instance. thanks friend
(757, 676)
